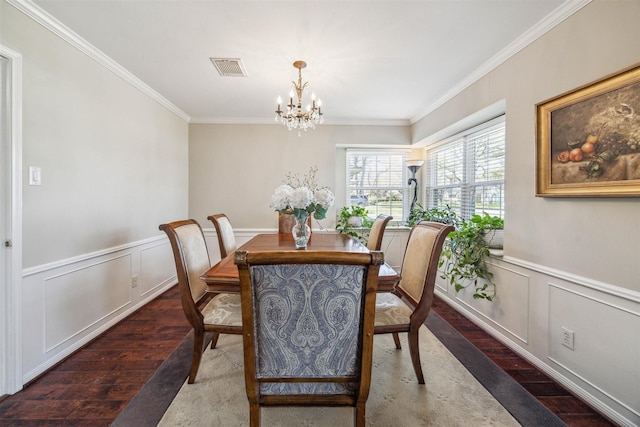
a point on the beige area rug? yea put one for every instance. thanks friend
(450, 397)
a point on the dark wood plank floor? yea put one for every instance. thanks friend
(91, 387)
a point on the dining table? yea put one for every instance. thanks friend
(224, 277)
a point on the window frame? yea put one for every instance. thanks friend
(403, 188)
(467, 142)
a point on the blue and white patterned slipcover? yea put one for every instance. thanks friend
(306, 325)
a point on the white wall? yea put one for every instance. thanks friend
(114, 166)
(234, 169)
(571, 263)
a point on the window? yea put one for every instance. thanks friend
(376, 180)
(466, 171)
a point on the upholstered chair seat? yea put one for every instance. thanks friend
(391, 310)
(223, 309)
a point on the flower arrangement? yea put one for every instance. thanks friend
(302, 196)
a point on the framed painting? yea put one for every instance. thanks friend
(588, 140)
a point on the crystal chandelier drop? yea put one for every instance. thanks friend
(295, 117)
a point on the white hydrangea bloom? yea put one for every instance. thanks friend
(324, 197)
(281, 198)
(301, 198)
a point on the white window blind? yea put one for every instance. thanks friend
(466, 172)
(376, 180)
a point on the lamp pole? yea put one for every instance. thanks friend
(413, 166)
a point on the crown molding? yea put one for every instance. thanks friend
(563, 11)
(329, 122)
(40, 16)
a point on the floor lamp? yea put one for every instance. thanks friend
(413, 166)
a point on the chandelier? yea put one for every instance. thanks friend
(295, 116)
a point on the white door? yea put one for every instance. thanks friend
(10, 221)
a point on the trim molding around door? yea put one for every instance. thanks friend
(11, 280)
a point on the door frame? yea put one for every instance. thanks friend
(11, 378)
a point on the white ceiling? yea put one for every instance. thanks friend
(369, 61)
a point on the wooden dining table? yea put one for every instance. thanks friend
(223, 276)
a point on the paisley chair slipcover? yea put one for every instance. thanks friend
(308, 327)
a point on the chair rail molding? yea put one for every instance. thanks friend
(577, 279)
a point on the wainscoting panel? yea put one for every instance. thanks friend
(158, 266)
(77, 299)
(606, 338)
(532, 306)
(69, 302)
(510, 307)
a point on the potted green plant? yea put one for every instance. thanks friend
(492, 229)
(463, 261)
(464, 254)
(354, 221)
(444, 215)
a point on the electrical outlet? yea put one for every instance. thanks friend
(567, 338)
(134, 280)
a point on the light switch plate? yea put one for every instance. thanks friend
(35, 175)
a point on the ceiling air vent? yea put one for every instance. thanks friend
(229, 67)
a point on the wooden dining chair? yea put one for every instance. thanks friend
(308, 328)
(416, 286)
(224, 230)
(377, 232)
(220, 315)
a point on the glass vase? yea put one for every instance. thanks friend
(301, 232)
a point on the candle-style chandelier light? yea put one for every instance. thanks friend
(295, 117)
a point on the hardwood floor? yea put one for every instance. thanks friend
(91, 387)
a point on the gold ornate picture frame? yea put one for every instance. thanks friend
(588, 140)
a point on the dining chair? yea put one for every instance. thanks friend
(222, 314)
(308, 319)
(377, 232)
(224, 230)
(416, 286)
